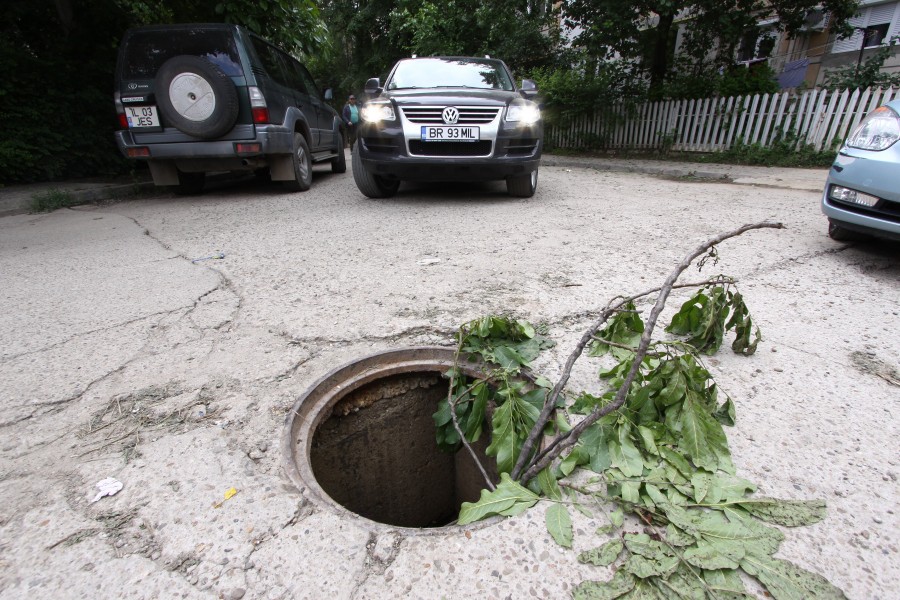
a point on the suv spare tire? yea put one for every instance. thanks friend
(195, 96)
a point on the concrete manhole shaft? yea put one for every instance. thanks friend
(362, 439)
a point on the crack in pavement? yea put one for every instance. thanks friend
(381, 552)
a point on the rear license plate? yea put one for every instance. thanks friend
(450, 134)
(140, 117)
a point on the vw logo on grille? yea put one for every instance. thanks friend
(450, 115)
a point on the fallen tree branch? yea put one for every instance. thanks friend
(565, 441)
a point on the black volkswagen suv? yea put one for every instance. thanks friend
(197, 98)
(448, 119)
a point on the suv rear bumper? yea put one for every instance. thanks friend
(172, 144)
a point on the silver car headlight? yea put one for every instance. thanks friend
(375, 112)
(524, 114)
(878, 131)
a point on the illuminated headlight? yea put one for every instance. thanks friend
(377, 111)
(878, 131)
(843, 194)
(526, 114)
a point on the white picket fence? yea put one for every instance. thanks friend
(817, 117)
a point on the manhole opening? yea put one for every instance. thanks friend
(376, 454)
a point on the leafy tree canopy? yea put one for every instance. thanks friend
(644, 30)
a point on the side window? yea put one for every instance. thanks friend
(270, 61)
(294, 78)
(309, 81)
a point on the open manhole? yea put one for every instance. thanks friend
(362, 439)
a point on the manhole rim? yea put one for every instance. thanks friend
(314, 406)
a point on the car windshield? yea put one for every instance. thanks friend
(450, 72)
(148, 50)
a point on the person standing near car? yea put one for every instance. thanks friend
(351, 119)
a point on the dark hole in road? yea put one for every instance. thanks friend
(376, 454)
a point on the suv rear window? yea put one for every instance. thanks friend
(146, 51)
(450, 72)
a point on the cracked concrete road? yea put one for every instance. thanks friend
(120, 357)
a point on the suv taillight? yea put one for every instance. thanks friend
(120, 110)
(258, 105)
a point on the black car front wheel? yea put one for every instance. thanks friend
(196, 97)
(371, 185)
(522, 186)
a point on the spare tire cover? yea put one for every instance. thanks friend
(195, 96)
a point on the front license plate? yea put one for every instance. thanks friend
(140, 117)
(450, 134)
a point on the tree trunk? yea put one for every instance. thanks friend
(659, 59)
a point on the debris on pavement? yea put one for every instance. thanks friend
(107, 487)
(217, 256)
(228, 495)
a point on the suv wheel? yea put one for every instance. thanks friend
(339, 164)
(190, 184)
(302, 166)
(371, 185)
(522, 186)
(196, 97)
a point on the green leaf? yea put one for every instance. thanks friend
(624, 455)
(683, 584)
(714, 528)
(726, 584)
(648, 439)
(549, 485)
(677, 537)
(505, 444)
(700, 433)
(507, 494)
(725, 413)
(559, 524)
(787, 581)
(643, 567)
(631, 491)
(701, 483)
(621, 583)
(475, 419)
(604, 555)
(508, 358)
(677, 461)
(790, 513)
(617, 517)
(715, 556)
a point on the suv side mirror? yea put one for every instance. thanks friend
(528, 89)
(373, 87)
(329, 94)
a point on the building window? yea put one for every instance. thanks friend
(874, 35)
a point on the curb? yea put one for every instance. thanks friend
(20, 204)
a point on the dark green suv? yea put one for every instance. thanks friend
(200, 98)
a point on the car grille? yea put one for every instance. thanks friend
(468, 115)
(420, 148)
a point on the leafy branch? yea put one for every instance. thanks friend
(654, 441)
(565, 441)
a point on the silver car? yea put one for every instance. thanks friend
(862, 194)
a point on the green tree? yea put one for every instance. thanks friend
(366, 39)
(865, 75)
(644, 31)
